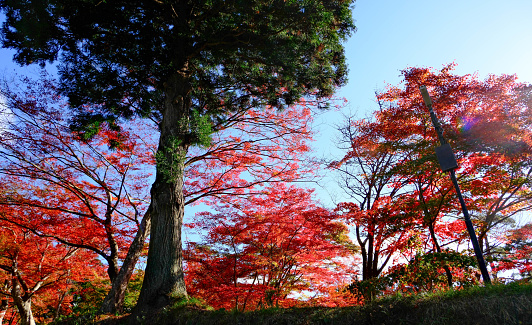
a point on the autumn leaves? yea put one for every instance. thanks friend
(76, 204)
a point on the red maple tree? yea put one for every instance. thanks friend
(39, 271)
(488, 124)
(516, 253)
(87, 194)
(269, 250)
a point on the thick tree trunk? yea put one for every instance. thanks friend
(21, 298)
(23, 305)
(24, 310)
(114, 301)
(164, 278)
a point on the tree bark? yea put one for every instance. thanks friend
(3, 309)
(23, 304)
(483, 239)
(24, 310)
(114, 301)
(58, 309)
(164, 278)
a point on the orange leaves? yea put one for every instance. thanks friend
(38, 270)
(390, 169)
(265, 248)
(516, 252)
(489, 126)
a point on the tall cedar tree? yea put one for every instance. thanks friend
(187, 63)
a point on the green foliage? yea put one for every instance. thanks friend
(180, 307)
(190, 302)
(170, 160)
(424, 273)
(88, 297)
(200, 129)
(370, 288)
(133, 290)
(86, 126)
(117, 56)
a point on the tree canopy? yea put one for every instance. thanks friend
(237, 54)
(390, 159)
(188, 65)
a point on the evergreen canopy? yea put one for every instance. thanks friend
(239, 53)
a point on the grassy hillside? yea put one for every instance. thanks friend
(500, 304)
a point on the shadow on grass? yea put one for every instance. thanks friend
(497, 304)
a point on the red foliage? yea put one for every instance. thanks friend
(269, 250)
(249, 149)
(383, 232)
(517, 252)
(78, 192)
(489, 126)
(92, 193)
(38, 272)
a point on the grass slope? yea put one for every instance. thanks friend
(499, 304)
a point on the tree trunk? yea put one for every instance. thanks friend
(24, 310)
(446, 267)
(3, 309)
(164, 278)
(23, 305)
(483, 240)
(114, 301)
(21, 298)
(58, 309)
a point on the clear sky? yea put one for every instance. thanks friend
(483, 37)
(488, 37)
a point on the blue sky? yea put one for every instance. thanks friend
(483, 37)
(488, 37)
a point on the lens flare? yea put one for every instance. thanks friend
(465, 124)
